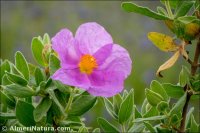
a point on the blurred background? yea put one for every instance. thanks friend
(23, 20)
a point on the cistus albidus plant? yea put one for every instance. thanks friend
(74, 72)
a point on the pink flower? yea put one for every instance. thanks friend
(91, 61)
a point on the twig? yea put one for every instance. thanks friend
(182, 126)
(194, 67)
(188, 60)
(196, 58)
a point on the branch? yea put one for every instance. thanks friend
(194, 66)
(196, 58)
(184, 112)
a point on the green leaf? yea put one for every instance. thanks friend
(54, 64)
(174, 119)
(162, 11)
(24, 113)
(173, 91)
(39, 76)
(137, 113)
(188, 117)
(183, 76)
(57, 105)
(5, 80)
(152, 111)
(42, 109)
(186, 20)
(153, 97)
(46, 39)
(173, 3)
(137, 127)
(162, 106)
(16, 79)
(63, 88)
(131, 7)
(82, 105)
(37, 48)
(194, 126)
(143, 108)
(153, 118)
(109, 108)
(106, 126)
(5, 66)
(96, 130)
(179, 105)
(7, 115)
(126, 108)
(149, 127)
(7, 100)
(183, 8)
(157, 87)
(117, 100)
(82, 129)
(19, 91)
(22, 65)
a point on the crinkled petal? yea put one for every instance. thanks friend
(72, 77)
(92, 36)
(119, 60)
(106, 83)
(103, 53)
(67, 48)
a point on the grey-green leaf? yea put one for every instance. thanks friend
(126, 108)
(117, 100)
(5, 66)
(183, 8)
(22, 65)
(106, 126)
(82, 129)
(96, 130)
(109, 108)
(149, 127)
(153, 118)
(7, 116)
(173, 91)
(194, 126)
(131, 7)
(42, 108)
(183, 76)
(82, 105)
(54, 64)
(161, 11)
(39, 76)
(153, 97)
(19, 91)
(16, 79)
(37, 48)
(46, 39)
(157, 87)
(24, 113)
(137, 127)
(179, 105)
(188, 117)
(7, 100)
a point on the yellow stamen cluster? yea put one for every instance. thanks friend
(87, 64)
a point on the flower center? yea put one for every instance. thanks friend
(87, 64)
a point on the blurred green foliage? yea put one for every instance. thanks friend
(21, 20)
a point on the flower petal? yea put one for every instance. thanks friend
(106, 83)
(92, 36)
(72, 77)
(103, 53)
(66, 47)
(119, 60)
